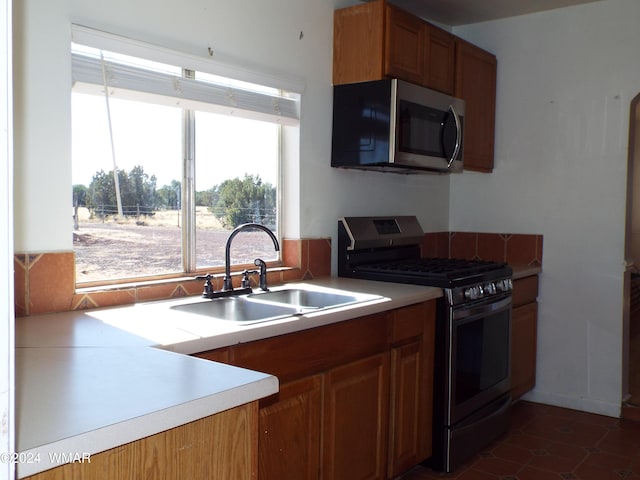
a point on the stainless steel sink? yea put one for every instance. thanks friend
(304, 299)
(272, 305)
(238, 309)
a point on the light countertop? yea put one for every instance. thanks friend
(92, 380)
(87, 400)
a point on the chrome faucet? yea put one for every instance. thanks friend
(227, 283)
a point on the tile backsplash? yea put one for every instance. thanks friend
(513, 248)
(45, 282)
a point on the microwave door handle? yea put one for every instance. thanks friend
(458, 136)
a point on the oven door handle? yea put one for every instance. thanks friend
(474, 311)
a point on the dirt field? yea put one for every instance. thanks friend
(152, 246)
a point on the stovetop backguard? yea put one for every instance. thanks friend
(388, 249)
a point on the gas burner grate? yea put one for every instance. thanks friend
(434, 267)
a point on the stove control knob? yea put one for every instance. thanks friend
(490, 288)
(471, 293)
(505, 285)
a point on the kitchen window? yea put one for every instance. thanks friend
(167, 159)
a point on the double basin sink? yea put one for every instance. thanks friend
(271, 305)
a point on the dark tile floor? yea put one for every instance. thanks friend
(551, 443)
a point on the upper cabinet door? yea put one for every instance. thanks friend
(358, 43)
(440, 56)
(476, 85)
(375, 40)
(404, 46)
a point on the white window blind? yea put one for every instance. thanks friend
(128, 80)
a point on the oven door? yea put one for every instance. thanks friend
(480, 356)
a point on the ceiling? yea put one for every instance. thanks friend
(462, 12)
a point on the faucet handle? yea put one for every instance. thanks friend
(246, 282)
(208, 286)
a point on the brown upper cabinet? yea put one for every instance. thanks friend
(376, 40)
(404, 45)
(440, 60)
(476, 85)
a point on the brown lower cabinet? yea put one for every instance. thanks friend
(289, 429)
(355, 399)
(218, 447)
(407, 421)
(524, 332)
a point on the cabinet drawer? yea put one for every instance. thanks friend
(219, 355)
(409, 322)
(525, 290)
(312, 351)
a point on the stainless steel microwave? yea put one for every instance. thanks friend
(392, 125)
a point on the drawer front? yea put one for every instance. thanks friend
(525, 290)
(311, 351)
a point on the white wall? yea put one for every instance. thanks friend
(565, 82)
(7, 387)
(254, 34)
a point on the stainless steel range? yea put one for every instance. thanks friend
(471, 378)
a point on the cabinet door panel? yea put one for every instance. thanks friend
(476, 85)
(523, 349)
(440, 60)
(289, 432)
(404, 42)
(358, 42)
(355, 424)
(406, 402)
(221, 446)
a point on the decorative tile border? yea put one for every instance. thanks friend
(45, 282)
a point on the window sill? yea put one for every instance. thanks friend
(164, 289)
(217, 278)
